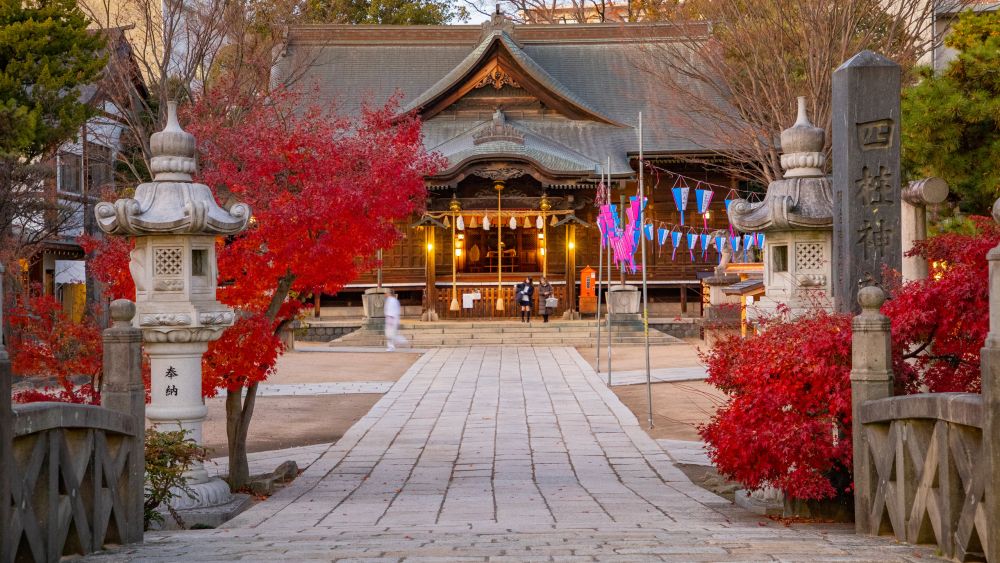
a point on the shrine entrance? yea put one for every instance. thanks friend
(494, 226)
(521, 250)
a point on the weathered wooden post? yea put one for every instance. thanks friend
(871, 378)
(124, 392)
(866, 174)
(6, 443)
(990, 358)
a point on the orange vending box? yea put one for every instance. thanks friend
(588, 291)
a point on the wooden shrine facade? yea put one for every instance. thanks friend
(528, 119)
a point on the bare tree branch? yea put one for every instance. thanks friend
(738, 73)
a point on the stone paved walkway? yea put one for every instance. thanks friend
(513, 454)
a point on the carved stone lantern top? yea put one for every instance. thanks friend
(803, 200)
(171, 203)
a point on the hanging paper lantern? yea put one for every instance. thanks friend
(760, 241)
(486, 222)
(735, 242)
(662, 235)
(681, 192)
(704, 199)
(705, 242)
(472, 223)
(527, 222)
(539, 223)
(692, 240)
(554, 221)
(675, 238)
(648, 228)
(460, 223)
(749, 241)
(447, 221)
(513, 223)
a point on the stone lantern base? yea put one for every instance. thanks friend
(624, 303)
(373, 301)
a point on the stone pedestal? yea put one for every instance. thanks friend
(624, 303)
(373, 301)
(717, 298)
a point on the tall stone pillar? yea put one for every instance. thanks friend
(175, 223)
(990, 358)
(866, 175)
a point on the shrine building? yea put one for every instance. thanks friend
(526, 117)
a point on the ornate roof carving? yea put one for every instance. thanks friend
(801, 201)
(498, 130)
(498, 77)
(505, 63)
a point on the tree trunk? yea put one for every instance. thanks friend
(239, 411)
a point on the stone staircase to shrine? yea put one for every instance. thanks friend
(506, 333)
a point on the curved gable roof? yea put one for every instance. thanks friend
(547, 86)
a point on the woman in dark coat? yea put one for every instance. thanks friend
(544, 293)
(524, 293)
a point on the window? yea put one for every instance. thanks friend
(779, 258)
(69, 173)
(99, 168)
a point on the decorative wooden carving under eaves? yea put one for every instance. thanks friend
(502, 173)
(498, 77)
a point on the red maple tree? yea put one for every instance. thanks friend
(46, 343)
(787, 421)
(325, 191)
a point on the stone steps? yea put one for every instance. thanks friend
(506, 333)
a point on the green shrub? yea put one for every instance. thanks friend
(169, 455)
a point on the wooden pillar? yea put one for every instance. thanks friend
(871, 379)
(430, 275)
(125, 392)
(571, 305)
(684, 298)
(316, 304)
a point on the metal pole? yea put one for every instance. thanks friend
(608, 316)
(499, 306)
(378, 280)
(600, 278)
(645, 288)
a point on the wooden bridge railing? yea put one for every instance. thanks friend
(926, 466)
(73, 475)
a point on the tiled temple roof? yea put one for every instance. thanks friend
(592, 67)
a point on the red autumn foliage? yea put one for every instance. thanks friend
(787, 422)
(326, 192)
(46, 343)
(948, 311)
(789, 404)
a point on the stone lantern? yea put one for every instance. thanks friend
(797, 217)
(176, 223)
